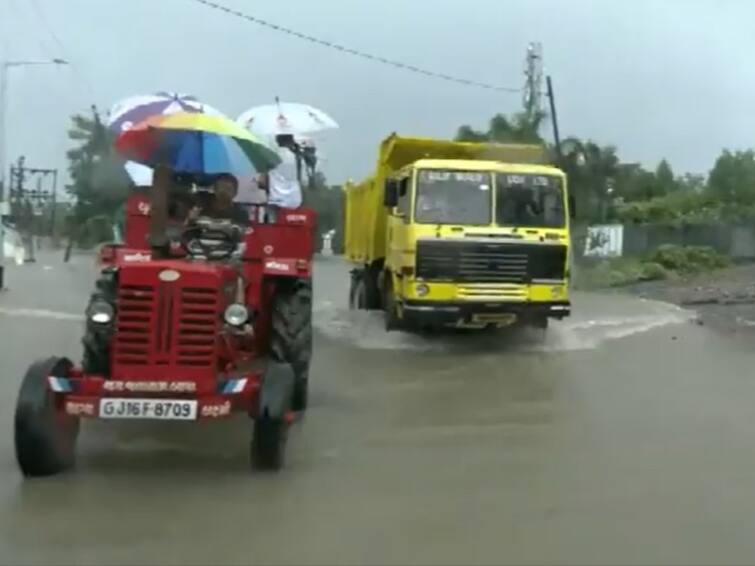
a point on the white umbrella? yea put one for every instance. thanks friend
(286, 118)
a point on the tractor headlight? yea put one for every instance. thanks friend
(422, 290)
(236, 314)
(101, 312)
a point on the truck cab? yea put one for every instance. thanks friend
(465, 241)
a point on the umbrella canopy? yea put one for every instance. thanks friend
(286, 118)
(130, 111)
(140, 175)
(196, 143)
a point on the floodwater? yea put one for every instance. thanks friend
(625, 436)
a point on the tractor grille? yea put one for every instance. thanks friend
(489, 262)
(134, 324)
(166, 325)
(197, 326)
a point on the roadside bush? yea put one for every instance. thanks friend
(689, 259)
(684, 208)
(652, 271)
(664, 263)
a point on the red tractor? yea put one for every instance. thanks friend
(213, 321)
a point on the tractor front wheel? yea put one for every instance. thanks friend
(291, 336)
(45, 437)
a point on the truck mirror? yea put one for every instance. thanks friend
(572, 207)
(390, 198)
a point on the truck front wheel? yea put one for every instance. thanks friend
(392, 319)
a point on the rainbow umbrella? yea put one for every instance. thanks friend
(196, 143)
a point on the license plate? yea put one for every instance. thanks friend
(160, 409)
(497, 318)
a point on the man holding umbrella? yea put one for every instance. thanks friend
(283, 184)
(283, 121)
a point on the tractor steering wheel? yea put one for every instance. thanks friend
(211, 239)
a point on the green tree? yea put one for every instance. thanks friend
(520, 128)
(327, 202)
(592, 171)
(732, 179)
(665, 182)
(99, 182)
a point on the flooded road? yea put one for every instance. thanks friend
(627, 436)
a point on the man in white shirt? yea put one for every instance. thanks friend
(284, 187)
(283, 184)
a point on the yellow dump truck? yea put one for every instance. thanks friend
(463, 234)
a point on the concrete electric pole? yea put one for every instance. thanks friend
(532, 98)
(5, 66)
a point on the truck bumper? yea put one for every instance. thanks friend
(450, 313)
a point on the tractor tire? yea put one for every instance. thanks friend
(96, 356)
(96, 341)
(45, 438)
(269, 443)
(291, 335)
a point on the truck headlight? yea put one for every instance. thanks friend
(422, 290)
(101, 312)
(236, 314)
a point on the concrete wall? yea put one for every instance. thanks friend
(736, 241)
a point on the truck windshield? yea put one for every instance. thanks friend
(453, 197)
(530, 200)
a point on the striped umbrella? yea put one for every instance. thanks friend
(196, 143)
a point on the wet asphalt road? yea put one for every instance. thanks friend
(627, 437)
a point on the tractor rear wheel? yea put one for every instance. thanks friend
(291, 335)
(45, 437)
(269, 443)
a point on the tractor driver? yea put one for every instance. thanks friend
(221, 206)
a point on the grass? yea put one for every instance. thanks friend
(666, 262)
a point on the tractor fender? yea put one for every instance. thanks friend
(277, 390)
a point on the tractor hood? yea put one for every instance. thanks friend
(168, 318)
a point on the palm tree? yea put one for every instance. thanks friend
(520, 128)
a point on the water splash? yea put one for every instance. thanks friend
(365, 330)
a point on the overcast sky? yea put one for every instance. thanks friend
(657, 78)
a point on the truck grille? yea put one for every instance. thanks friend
(489, 262)
(166, 325)
(492, 292)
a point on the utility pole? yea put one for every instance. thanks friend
(5, 66)
(26, 204)
(554, 121)
(533, 84)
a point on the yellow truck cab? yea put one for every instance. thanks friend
(459, 234)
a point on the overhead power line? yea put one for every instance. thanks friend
(357, 52)
(63, 51)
